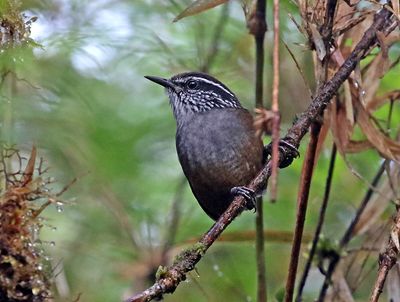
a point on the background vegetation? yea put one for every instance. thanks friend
(76, 90)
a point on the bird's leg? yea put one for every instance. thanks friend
(248, 194)
(286, 149)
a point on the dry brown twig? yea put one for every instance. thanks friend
(302, 201)
(168, 278)
(387, 259)
(322, 40)
(275, 107)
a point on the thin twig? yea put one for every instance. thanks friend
(320, 223)
(275, 107)
(302, 201)
(360, 279)
(258, 30)
(173, 222)
(387, 259)
(322, 76)
(349, 232)
(260, 252)
(215, 41)
(299, 129)
(307, 86)
(257, 27)
(171, 276)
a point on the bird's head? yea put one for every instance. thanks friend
(194, 92)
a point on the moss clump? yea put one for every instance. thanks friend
(15, 27)
(190, 252)
(161, 272)
(22, 273)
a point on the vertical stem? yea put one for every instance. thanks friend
(259, 33)
(257, 28)
(215, 41)
(260, 253)
(8, 89)
(319, 225)
(275, 106)
(173, 223)
(302, 201)
(8, 86)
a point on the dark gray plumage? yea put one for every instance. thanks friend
(215, 139)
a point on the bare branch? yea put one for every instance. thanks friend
(215, 42)
(387, 259)
(319, 224)
(302, 201)
(170, 277)
(349, 232)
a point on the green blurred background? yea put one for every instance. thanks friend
(81, 98)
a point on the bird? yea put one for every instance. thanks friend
(216, 141)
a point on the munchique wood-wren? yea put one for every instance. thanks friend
(215, 140)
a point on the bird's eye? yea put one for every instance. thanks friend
(191, 84)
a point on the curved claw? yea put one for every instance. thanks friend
(248, 194)
(287, 151)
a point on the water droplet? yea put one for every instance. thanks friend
(217, 270)
(52, 243)
(37, 282)
(197, 272)
(363, 93)
(39, 267)
(59, 206)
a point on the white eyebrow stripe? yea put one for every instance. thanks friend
(215, 84)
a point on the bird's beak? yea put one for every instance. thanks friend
(163, 82)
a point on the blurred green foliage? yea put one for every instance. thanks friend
(82, 99)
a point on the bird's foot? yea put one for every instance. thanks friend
(286, 150)
(248, 194)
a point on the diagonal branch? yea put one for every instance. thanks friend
(349, 232)
(170, 277)
(387, 259)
